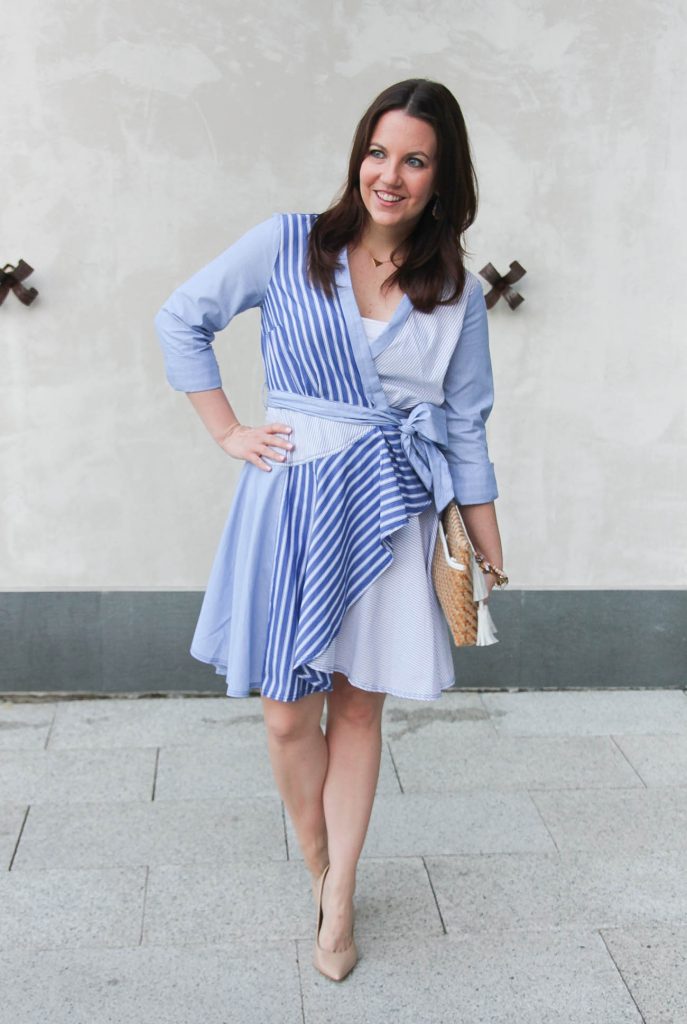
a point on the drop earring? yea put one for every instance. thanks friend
(437, 211)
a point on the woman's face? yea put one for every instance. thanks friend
(398, 172)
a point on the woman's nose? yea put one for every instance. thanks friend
(390, 175)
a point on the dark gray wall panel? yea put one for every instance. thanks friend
(137, 642)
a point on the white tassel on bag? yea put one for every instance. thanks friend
(486, 630)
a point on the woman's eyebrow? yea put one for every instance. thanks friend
(412, 152)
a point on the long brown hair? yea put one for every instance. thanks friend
(436, 253)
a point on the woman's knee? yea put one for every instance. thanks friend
(357, 707)
(289, 721)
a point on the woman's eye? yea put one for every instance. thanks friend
(414, 161)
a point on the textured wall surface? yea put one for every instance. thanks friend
(142, 139)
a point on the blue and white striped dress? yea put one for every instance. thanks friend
(324, 563)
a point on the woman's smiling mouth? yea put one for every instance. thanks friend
(388, 198)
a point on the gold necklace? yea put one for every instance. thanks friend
(377, 263)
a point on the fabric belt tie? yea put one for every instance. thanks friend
(424, 435)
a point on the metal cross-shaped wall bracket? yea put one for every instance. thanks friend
(11, 277)
(502, 285)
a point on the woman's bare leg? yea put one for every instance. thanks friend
(299, 755)
(354, 738)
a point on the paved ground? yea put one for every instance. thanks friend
(525, 864)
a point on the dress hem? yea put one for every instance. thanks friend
(257, 687)
(395, 693)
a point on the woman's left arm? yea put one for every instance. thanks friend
(483, 531)
(468, 401)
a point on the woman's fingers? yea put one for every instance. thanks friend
(279, 428)
(257, 461)
(266, 450)
(256, 444)
(267, 446)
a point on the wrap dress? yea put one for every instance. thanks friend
(324, 563)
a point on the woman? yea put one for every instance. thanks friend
(375, 347)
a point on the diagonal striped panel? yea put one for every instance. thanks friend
(306, 347)
(336, 516)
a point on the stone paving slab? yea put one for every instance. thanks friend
(658, 760)
(454, 714)
(71, 776)
(11, 820)
(588, 712)
(26, 726)
(222, 767)
(510, 762)
(166, 832)
(150, 722)
(235, 765)
(636, 820)
(476, 821)
(653, 961)
(542, 891)
(502, 978)
(55, 908)
(152, 985)
(234, 903)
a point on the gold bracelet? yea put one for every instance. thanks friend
(486, 567)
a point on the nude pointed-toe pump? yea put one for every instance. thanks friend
(335, 965)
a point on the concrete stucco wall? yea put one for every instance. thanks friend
(142, 139)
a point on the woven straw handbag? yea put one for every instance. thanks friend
(459, 582)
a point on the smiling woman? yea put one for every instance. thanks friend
(396, 180)
(398, 173)
(410, 194)
(321, 588)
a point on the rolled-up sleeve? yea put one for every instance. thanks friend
(469, 397)
(187, 322)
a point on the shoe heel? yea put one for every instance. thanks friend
(334, 965)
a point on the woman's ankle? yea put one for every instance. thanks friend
(340, 885)
(316, 859)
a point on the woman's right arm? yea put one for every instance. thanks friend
(215, 411)
(241, 442)
(186, 325)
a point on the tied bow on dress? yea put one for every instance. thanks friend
(423, 433)
(423, 436)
